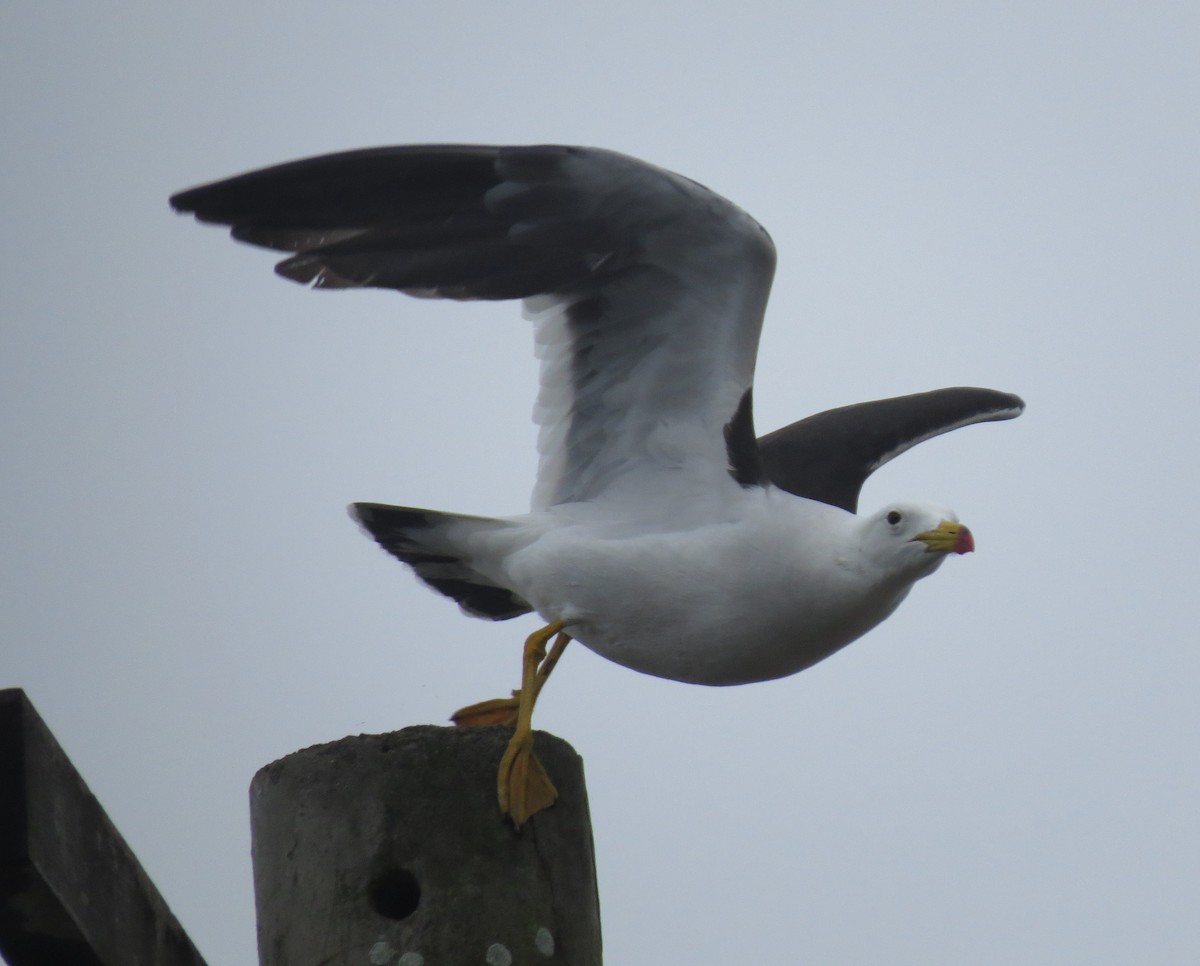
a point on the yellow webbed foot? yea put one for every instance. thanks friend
(495, 711)
(524, 787)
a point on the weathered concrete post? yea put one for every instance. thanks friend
(390, 849)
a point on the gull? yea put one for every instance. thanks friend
(662, 534)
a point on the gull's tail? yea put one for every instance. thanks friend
(438, 548)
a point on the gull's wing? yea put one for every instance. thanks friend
(646, 289)
(828, 457)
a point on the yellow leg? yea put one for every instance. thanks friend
(551, 659)
(503, 711)
(522, 785)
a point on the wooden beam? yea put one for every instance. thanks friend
(71, 891)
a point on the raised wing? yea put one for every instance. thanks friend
(828, 457)
(646, 289)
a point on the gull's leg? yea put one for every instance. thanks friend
(522, 785)
(551, 659)
(504, 710)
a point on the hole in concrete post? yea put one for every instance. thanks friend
(394, 893)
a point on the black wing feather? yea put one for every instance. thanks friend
(828, 457)
(417, 218)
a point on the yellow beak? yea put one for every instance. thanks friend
(947, 537)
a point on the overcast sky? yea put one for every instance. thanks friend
(1002, 195)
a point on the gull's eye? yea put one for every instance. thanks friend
(894, 517)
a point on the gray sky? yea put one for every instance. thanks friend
(983, 194)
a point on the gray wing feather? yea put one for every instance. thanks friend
(646, 289)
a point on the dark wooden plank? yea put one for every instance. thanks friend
(71, 891)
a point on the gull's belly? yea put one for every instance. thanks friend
(724, 605)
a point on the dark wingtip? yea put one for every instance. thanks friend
(365, 514)
(1008, 405)
(180, 205)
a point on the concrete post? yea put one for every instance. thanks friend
(390, 850)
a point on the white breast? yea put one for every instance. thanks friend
(775, 586)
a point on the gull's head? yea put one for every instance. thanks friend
(914, 538)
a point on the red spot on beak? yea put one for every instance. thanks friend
(965, 542)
